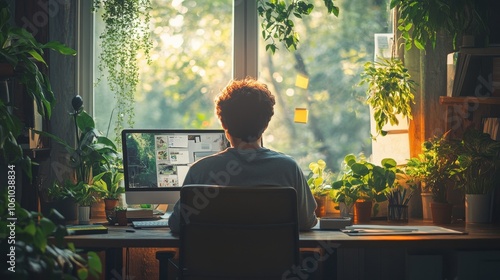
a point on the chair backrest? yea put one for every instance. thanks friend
(238, 232)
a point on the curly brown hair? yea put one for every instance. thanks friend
(245, 108)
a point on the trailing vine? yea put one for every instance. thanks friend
(126, 34)
(277, 23)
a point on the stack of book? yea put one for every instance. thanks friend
(139, 213)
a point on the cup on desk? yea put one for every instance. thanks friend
(397, 213)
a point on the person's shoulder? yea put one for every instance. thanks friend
(280, 156)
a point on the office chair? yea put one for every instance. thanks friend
(236, 233)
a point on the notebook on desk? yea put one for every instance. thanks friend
(86, 229)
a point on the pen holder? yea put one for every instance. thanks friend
(397, 213)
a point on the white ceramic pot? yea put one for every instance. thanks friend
(83, 215)
(478, 208)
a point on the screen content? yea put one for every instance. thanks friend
(161, 158)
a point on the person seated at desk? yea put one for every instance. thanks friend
(244, 108)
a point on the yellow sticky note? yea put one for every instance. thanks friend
(300, 115)
(302, 81)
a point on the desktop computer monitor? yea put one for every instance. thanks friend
(156, 161)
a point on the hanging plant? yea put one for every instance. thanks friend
(277, 23)
(389, 91)
(125, 36)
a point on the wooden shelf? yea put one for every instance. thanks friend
(446, 100)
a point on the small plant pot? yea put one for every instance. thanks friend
(321, 206)
(83, 215)
(121, 217)
(441, 212)
(477, 208)
(362, 212)
(110, 204)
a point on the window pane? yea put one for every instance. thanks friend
(329, 58)
(191, 62)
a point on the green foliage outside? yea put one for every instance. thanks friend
(191, 61)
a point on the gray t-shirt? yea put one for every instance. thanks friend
(237, 167)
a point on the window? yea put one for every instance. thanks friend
(193, 59)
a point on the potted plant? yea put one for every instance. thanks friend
(318, 182)
(109, 187)
(93, 153)
(477, 173)
(389, 93)
(84, 195)
(432, 169)
(121, 215)
(21, 58)
(363, 183)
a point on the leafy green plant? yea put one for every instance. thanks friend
(93, 153)
(20, 52)
(319, 179)
(433, 167)
(37, 257)
(421, 20)
(125, 36)
(390, 91)
(109, 184)
(362, 180)
(478, 162)
(277, 22)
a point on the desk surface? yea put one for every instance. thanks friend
(478, 236)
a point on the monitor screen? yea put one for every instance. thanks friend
(156, 161)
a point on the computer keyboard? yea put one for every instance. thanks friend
(150, 224)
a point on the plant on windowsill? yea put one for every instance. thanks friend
(363, 183)
(389, 93)
(477, 173)
(319, 183)
(21, 58)
(125, 37)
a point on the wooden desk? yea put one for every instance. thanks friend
(478, 238)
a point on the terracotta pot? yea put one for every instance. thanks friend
(441, 212)
(321, 206)
(110, 204)
(362, 212)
